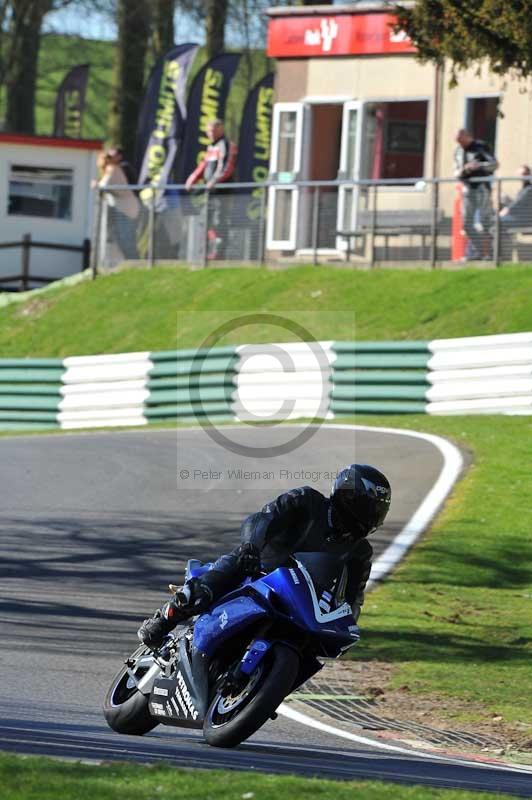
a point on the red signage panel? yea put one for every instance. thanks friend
(335, 35)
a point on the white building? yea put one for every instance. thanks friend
(45, 193)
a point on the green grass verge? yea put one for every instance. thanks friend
(169, 307)
(47, 779)
(455, 618)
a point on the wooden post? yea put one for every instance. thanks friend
(26, 246)
(86, 254)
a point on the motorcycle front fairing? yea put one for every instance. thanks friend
(182, 699)
(336, 628)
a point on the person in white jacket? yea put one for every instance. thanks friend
(123, 204)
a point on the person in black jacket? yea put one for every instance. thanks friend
(300, 520)
(473, 160)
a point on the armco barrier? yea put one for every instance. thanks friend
(29, 393)
(474, 375)
(379, 377)
(288, 380)
(481, 375)
(188, 384)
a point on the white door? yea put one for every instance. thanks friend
(286, 159)
(350, 157)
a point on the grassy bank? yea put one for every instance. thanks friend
(456, 617)
(168, 307)
(44, 779)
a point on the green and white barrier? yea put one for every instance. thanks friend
(29, 393)
(189, 384)
(481, 375)
(287, 380)
(379, 377)
(474, 375)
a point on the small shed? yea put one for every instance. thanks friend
(46, 207)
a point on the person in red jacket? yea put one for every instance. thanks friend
(218, 166)
(219, 163)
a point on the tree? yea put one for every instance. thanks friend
(24, 31)
(215, 20)
(134, 27)
(498, 31)
(163, 33)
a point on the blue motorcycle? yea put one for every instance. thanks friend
(227, 670)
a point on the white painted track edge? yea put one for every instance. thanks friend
(450, 472)
(296, 716)
(410, 533)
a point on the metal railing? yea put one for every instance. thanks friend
(431, 222)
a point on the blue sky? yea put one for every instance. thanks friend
(100, 26)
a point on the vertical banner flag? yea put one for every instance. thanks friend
(255, 141)
(162, 116)
(70, 103)
(206, 101)
(255, 133)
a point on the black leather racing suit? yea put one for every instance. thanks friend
(297, 521)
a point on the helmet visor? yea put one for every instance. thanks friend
(359, 514)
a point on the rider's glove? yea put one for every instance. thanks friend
(193, 595)
(249, 559)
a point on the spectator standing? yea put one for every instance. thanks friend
(217, 167)
(219, 163)
(124, 205)
(116, 156)
(473, 160)
(518, 212)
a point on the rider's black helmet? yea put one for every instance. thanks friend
(360, 500)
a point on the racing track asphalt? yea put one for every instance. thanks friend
(93, 527)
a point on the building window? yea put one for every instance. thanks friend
(40, 192)
(287, 141)
(396, 135)
(481, 119)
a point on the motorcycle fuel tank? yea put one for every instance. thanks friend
(225, 621)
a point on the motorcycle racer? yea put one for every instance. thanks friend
(299, 520)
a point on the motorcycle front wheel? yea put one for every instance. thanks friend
(124, 707)
(231, 719)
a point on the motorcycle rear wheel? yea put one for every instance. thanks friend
(124, 707)
(231, 720)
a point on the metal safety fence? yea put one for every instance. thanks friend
(432, 222)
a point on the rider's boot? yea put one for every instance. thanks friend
(192, 598)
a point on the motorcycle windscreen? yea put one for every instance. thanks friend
(328, 573)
